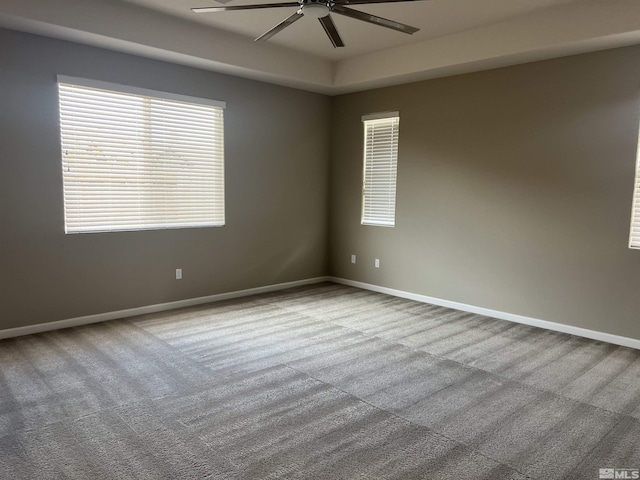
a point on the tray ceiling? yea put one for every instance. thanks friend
(455, 36)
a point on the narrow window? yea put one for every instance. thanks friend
(135, 159)
(634, 237)
(380, 168)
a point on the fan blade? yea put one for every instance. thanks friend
(364, 2)
(332, 32)
(367, 17)
(281, 26)
(244, 7)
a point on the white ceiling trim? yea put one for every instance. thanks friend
(564, 30)
(132, 29)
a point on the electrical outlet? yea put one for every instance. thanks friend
(353, 259)
(377, 263)
(178, 274)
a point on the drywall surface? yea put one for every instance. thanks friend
(514, 190)
(276, 172)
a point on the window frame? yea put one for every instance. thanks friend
(365, 217)
(634, 237)
(149, 96)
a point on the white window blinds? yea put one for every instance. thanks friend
(634, 237)
(380, 168)
(135, 159)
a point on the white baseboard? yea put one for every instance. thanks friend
(511, 317)
(160, 307)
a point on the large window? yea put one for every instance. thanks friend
(135, 159)
(380, 168)
(634, 237)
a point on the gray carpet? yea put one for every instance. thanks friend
(321, 382)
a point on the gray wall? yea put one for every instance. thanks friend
(277, 146)
(514, 190)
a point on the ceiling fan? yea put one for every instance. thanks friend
(320, 9)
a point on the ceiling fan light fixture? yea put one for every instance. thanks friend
(315, 10)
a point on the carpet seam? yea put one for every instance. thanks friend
(400, 417)
(477, 369)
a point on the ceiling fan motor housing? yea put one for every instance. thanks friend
(315, 8)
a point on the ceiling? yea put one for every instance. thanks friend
(455, 36)
(435, 18)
